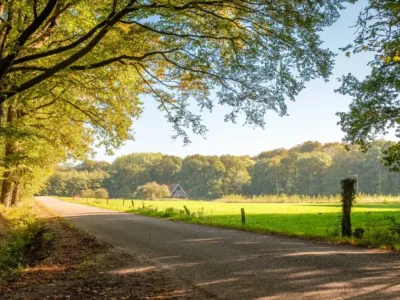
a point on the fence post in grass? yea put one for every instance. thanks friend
(186, 210)
(142, 204)
(348, 196)
(133, 204)
(243, 216)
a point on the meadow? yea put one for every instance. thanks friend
(379, 219)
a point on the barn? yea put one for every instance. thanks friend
(177, 191)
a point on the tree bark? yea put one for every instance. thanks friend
(16, 194)
(6, 190)
(7, 185)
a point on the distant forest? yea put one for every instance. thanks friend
(310, 168)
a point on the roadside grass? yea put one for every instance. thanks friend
(381, 222)
(24, 239)
(283, 198)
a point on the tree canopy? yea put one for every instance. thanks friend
(376, 104)
(256, 54)
(83, 66)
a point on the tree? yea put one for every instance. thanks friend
(130, 171)
(312, 167)
(32, 141)
(344, 164)
(309, 146)
(69, 115)
(267, 176)
(272, 153)
(236, 176)
(289, 173)
(92, 165)
(87, 193)
(201, 176)
(101, 193)
(152, 190)
(255, 53)
(165, 169)
(375, 107)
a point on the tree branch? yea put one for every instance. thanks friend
(6, 62)
(70, 60)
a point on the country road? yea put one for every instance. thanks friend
(229, 264)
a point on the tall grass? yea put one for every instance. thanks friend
(283, 198)
(23, 238)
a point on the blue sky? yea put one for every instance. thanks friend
(311, 117)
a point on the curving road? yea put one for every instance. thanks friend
(229, 264)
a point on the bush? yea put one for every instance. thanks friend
(88, 193)
(101, 193)
(152, 190)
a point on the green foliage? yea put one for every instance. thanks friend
(394, 226)
(173, 51)
(291, 172)
(92, 165)
(88, 193)
(375, 106)
(201, 176)
(101, 193)
(319, 172)
(70, 182)
(236, 177)
(152, 190)
(130, 171)
(26, 239)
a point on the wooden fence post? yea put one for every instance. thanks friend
(133, 204)
(348, 196)
(243, 216)
(186, 210)
(142, 204)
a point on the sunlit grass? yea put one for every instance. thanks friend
(283, 198)
(22, 237)
(308, 220)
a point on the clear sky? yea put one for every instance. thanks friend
(311, 116)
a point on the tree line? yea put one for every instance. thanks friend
(310, 168)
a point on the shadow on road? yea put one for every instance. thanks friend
(240, 265)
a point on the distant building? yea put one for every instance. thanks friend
(177, 191)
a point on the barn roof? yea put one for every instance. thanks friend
(172, 187)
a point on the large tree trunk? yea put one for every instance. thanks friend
(2, 116)
(7, 186)
(6, 190)
(16, 194)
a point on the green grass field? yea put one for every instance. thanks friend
(308, 220)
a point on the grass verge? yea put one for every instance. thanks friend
(24, 238)
(381, 222)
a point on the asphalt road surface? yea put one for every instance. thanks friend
(230, 264)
